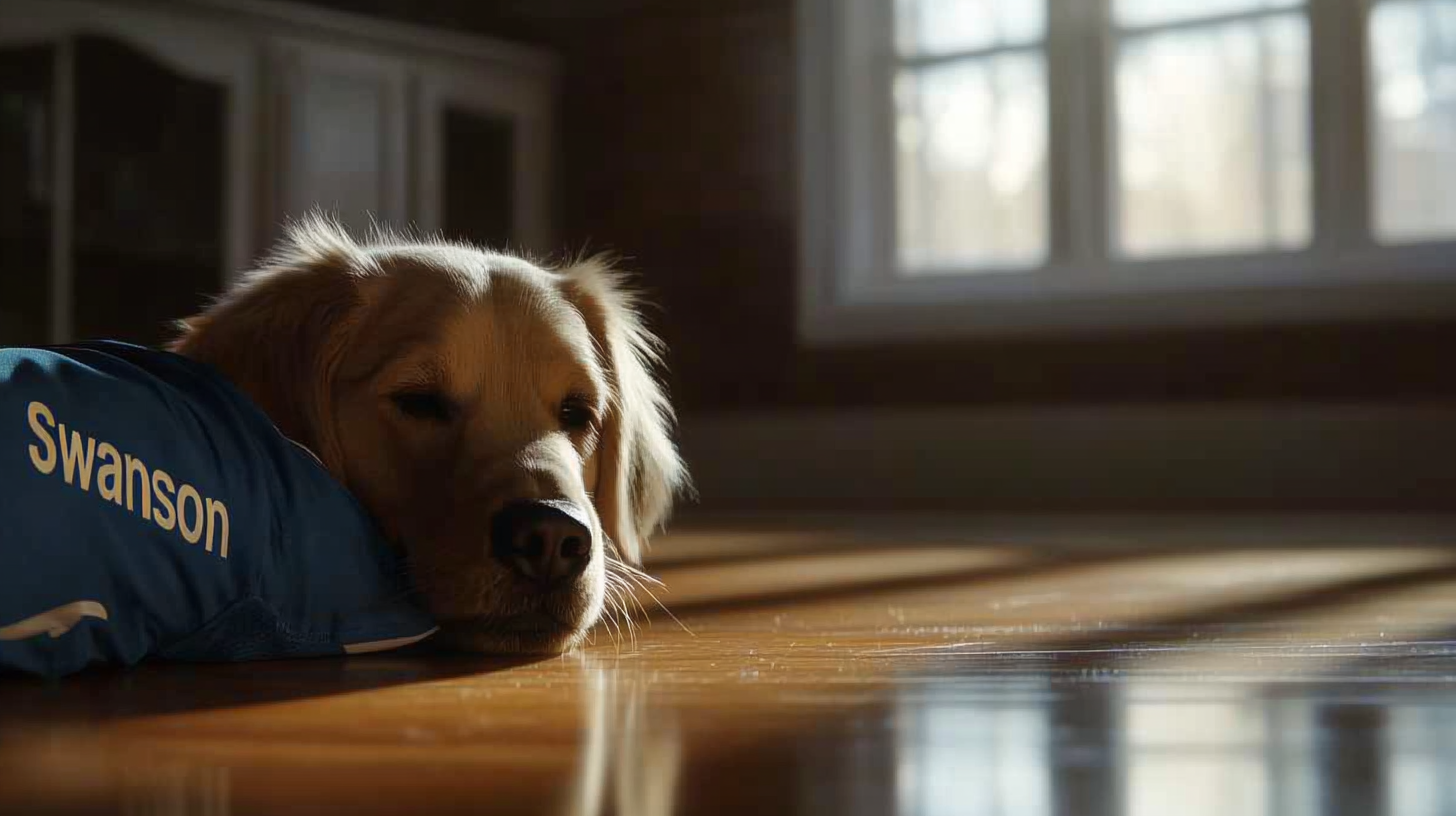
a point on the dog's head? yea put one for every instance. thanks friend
(500, 420)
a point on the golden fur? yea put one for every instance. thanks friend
(430, 378)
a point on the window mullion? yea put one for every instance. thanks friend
(1079, 95)
(1340, 116)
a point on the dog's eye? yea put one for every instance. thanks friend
(430, 406)
(576, 413)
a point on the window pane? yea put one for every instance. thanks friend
(938, 26)
(972, 163)
(1153, 12)
(1413, 48)
(1213, 138)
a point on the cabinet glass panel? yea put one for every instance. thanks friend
(150, 165)
(479, 187)
(27, 117)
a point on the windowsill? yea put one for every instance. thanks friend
(1411, 282)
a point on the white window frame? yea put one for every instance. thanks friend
(849, 291)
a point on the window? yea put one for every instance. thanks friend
(1028, 164)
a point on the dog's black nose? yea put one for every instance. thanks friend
(546, 541)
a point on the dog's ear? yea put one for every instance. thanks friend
(280, 334)
(639, 472)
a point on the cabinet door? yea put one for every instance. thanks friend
(483, 162)
(341, 135)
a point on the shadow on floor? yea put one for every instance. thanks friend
(867, 587)
(157, 688)
(1238, 629)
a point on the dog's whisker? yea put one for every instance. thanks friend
(620, 598)
(622, 612)
(626, 591)
(609, 619)
(625, 615)
(631, 594)
(661, 605)
(637, 585)
(628, 570)
(616, 632)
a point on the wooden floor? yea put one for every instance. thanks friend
(1185, 669)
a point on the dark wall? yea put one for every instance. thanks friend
(678, 151)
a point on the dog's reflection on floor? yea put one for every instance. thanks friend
(631, 752)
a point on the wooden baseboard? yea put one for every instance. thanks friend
(1143, 458)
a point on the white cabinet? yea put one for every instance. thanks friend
(150, 149)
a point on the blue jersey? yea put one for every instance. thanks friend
(150, 508)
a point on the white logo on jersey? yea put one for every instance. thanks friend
(55, 622)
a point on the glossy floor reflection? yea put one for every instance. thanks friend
(929, 675)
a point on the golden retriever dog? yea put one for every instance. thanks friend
(501, 420)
